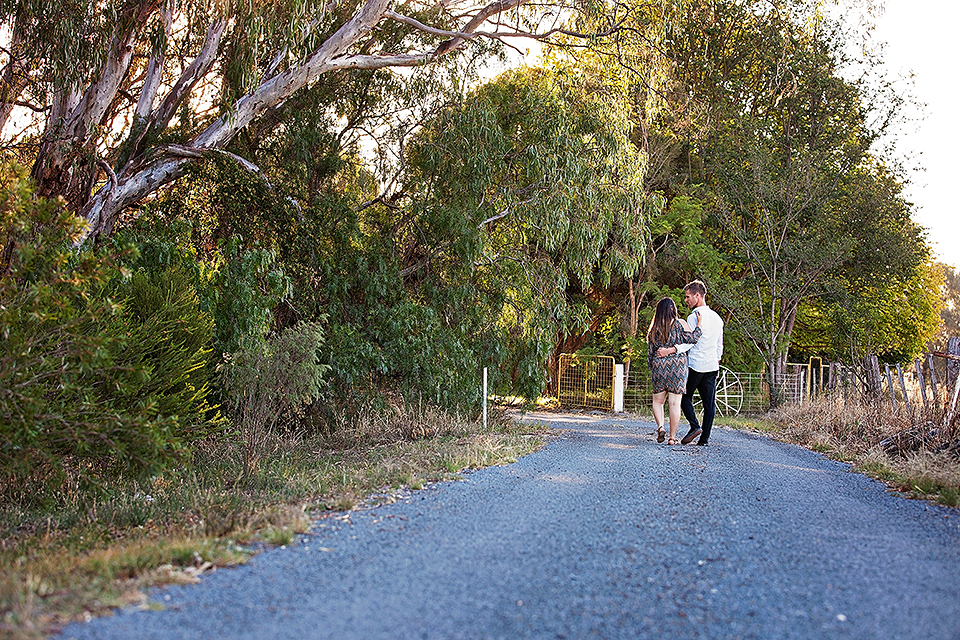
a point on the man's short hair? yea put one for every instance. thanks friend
(696, 287)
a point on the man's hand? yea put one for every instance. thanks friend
(665, 351)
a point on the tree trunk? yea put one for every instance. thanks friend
(13, 78)
(67, 164)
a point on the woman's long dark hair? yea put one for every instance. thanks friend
(663, 319)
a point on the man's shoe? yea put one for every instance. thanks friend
(691, 435)
(701, 444)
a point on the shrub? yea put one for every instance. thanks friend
(238, 286)
(168, 337)
(241, 291)
(266, 379)
(68, 407)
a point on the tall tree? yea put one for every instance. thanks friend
(762, 115)
(114, 74)
(538, 193)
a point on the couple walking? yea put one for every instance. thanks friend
(684, 361)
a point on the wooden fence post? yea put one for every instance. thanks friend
(903, 387)
(923, 385)
(953, 404)
(953, 366)
(932, 365)
(893, 394)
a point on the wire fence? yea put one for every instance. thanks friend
(737, 393)
(588, 381)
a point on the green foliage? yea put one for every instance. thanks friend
(238, 283)
(72, 404)
(530, 190)
(241, 292)
(383, 333)
(169, 336)
(762, 127)
(894, 319)
(265, 380)
(539, 161)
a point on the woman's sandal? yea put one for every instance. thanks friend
(672, 441)
(661, 434)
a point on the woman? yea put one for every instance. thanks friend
(669, 373)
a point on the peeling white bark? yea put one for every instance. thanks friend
(141, 178)
(13, 79)
(194, 72)
(98, 97)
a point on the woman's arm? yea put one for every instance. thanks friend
(683, 335)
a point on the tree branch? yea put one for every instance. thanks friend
(196, 70)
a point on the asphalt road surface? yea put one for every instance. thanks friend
(602, 534)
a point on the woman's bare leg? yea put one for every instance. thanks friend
(674, 413)
(658, 399)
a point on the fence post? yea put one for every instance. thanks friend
(903, 386)
(953, 366)
(923, 385)
(484, 399)
(931, 364)
(618, 380)
(893, 395)
(953, 404)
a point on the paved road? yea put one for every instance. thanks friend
(602, 534)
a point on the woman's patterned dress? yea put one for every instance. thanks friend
(669, 373)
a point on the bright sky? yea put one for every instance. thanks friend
(921, 37)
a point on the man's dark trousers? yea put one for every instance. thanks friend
(706, 385)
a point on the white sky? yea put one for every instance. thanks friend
(922, 38)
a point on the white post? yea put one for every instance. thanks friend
(618, 389)
(484, 398)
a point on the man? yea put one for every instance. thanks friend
(703, 362)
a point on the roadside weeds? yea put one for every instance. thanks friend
(78, 558)
(859, 432)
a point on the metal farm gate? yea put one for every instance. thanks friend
(586, 381)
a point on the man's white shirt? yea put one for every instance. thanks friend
(705, 355)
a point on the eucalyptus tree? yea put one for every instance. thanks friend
(133, 92)
(762, 116)
(529, 189)
(887, 292)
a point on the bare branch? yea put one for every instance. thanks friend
(196, 70)
(147, 170)
(151, 83)
(29, 105)
(100, 95)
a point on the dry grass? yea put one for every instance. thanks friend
(75, 557)
(912, 451)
